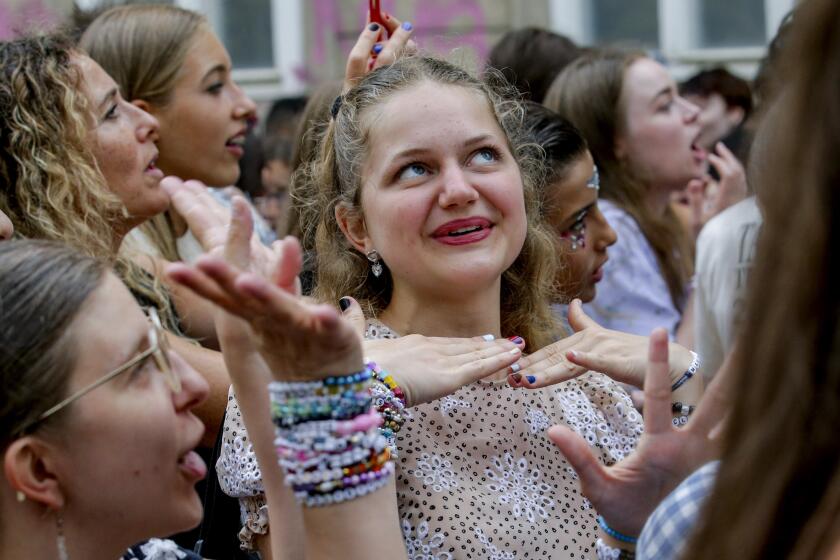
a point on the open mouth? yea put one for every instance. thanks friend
(236, 142)
(191, 464)
(152, 168)
(464, 231)
(698, 152)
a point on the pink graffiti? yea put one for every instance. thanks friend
(432, 20)
(27, 16)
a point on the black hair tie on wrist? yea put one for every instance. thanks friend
(336, 106)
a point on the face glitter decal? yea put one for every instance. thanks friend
(576, 234)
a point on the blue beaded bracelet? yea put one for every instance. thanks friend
(689, 373)
(615, 534)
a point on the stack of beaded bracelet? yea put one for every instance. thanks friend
(389, 400)
(328, 438)
(682, 412)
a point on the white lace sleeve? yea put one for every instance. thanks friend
(612, 424)
(240, 476)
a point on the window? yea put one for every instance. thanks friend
(244, 27)
(732, 23)
(619, 21)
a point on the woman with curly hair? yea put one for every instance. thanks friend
(78, 164)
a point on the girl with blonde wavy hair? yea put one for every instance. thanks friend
(427, 219)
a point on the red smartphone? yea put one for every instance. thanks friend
(376, 15)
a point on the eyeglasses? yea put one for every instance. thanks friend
(158, 350)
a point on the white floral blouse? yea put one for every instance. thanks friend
(476, 475)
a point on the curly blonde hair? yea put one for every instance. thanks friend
(335, 178)
(52, 187)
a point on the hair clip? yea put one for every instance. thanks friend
(336, 106)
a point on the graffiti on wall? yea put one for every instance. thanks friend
(23, 16)
(441, 26)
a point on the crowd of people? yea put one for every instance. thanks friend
(566, 308)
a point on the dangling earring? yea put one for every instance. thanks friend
(59, 539)
(375, 264)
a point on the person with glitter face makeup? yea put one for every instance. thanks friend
(569, 202)
(643, 137)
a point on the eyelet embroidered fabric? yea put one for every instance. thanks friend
(476, 475)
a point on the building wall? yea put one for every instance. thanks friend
(18, 16)
(285, 47)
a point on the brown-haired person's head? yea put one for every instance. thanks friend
(724, 99)
(778, 488)
(530, 58)
(97, 429)
(431, 168)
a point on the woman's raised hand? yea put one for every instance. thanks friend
(619, 355)
(209, 221)
(708, 198)
(370, 51)
(428, 368)
(628, 492)
(297, 340)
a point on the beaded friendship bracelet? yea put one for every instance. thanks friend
(689, 373)
(331, 443)
(615, 534)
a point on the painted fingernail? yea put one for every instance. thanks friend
(516, 339)
(407, 26)
(344, 303)
(377, 48)
(531, 378)
(516, 377)
(373, 27)
(515, 351)
(489, 337)
(514, 368)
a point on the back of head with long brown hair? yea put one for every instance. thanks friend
(526, 286)
(588, 93)
(778, 490)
